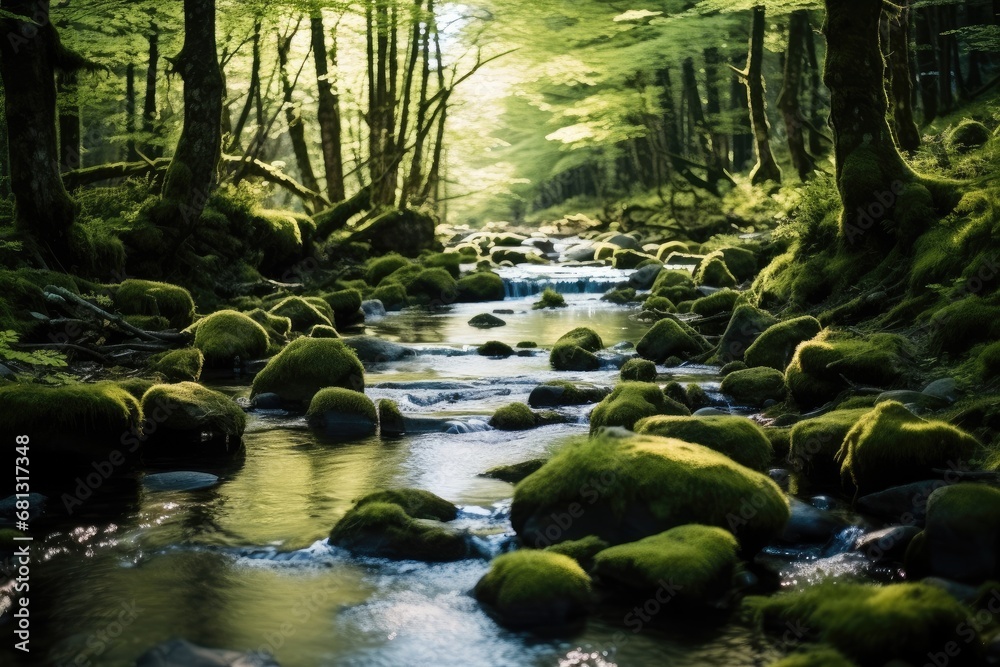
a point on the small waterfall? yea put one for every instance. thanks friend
(521, 282)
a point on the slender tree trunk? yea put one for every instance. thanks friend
(293, 116)
(404, 111)
(192, 174)
(788, 100)
(328, 113)
(696, 114)
(945, 94)
(70, 140)
(28, 51)
(816, 119)
(713, 108)
(131, 154)
(927, 64)
(412, 182)
(434, 173)
(252, 90)
(896, 36)
(766, 168)
(742, 140)
(152, 149)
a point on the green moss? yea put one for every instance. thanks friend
(345, 305)
(481, 286)
(698, 560)
(665, 481)
(486, 321)
(145, 297)
(962, 324)
(574, 393)
(495, 348)
(277, 327)
(621, 296)
(513, 417)
(550, 299)
(179, 365)
(872, 624)
(742, 263)
(669, 338)
(390, 418)
(659, 303)
(582, 550)
(629, 259)
(514, 472)
(675, 391)
(535, 588)
(307, 365)
(732, 367)
(417, 503)
(713, 272)
(737, 437)
(891, 445)
(818, 657)
(755, 386)
(188, 406)
(323, 331)
(301, 312)
(630, 402)
(745, 326)
(278, 235)
(638, 370)
(136, 386)
(814, 443)
(449, 261)
(696, 396)
(148, 322)
(776, 346)
(723, 301)
(574, 351)
(967, 136)
(988, 362)
(379, 527)
(392, 296)
(669, 247)
(342, 412)
(225, 335)
(526, 345)
(433, 286)
(381, 267)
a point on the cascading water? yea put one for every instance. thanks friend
(524, 281)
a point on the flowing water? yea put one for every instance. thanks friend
(244, 564)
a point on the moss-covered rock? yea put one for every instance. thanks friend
(666, 249)
(399, 525)
(392, 296)
(659, 304)
(531, 589)
(307, 365)
(621, 296)
(346, 306)
(815, 657)
(582, 550)
(629, 259)
(136, 386)
(549, 299)
(227, 334)
(755, 386)
(890, 446)
(874, 625)
(481, 286)
(630, 402)
(514, 472)
(407, 232)
(277, 328)
(381, 267)
(145, 297)
(433, 287)
(732, 367)
(148, 322)
(638, 370)
(745, 326)
(187, 411)
(668, 338)
(495, 348)
(556, 393)
(486, 321)
(967, 136)
(698, 561)
(323, 331)
(742, 263)
(814, 443)
(574, 351)
(697, 397)
(713, 272)
(723, 301)
(960, 325)
(514, 417)
(737, 437)
(342, 413)
(303, 314)
(776, 346)
(70, 424)
(449, 261)
(390, 418)
(623, 489)
(179, 365)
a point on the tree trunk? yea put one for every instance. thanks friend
(293, 117)
(130, 153)
(696, 114)
(896, 33)
(70, 140)
(788, 100)
(742, 140)
(252, 90)
(945, 95)
(434, 173)
(192, 173)
(152, 149)
(413, 181)
(328, 112)
(382, 101)
(766, 168)
(404, 111)
(28, 52)
(713, 108)
(927, 65)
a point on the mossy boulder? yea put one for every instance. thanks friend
(433, 287)
(495, 348)
(659, 304)
(323, 331)
(148, 322)
(713, 272)
(481, 286)
(381, 267)
(638, 370)
(401, 525)
(890, 446)
(623, 489)
(741, 262)
(960, 325)
(669, 338)
(302, 313)
(666, 249)
(70, 424)
(582, 550)
(873, 625)
(514, 472)
(630, 402)
(814, 443)
(723, 301)
(967, 136)
(535, 589)
(828, 364)
(407, 232)
(574, 351)
(697, 397)
(555, 393)
(486, 321)
(746, 325)
(392, 296)
(629, 259)
(776, 345)
(227, 334)
(755, 386)
(737, 437)
(346, 307)
(307, 365)
(514, 417)
(621, 296)
(179, 365)
(146, 297)
(342, 413)
(390, 418)
(697, 561)
(449, 261)
(815, 657)
(277, 328)
(191, 420)
(549, 299)
(961, 537)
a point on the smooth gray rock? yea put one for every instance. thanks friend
(372, 350)
(808, 524)
(644, 278)
(888, 544)
(267, 401)
(945, 388)
(905, 504)
(906, 397)
(555, 395)
(373, 309)
(184, 480)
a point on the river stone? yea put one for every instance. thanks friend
(182, 653)
(373, 309)
(179, 481)
(906, 397)
(8, 507)
(579, 253)
(371, 349)
(555, 394)
(710, 412)
(906, 503)
(486, 321)
(514, 472)
(644, 278)
(6, 373)
(808, 524)
(888, 544)
(945, 388)
(266, 401)
(683, 259)
(623, 241)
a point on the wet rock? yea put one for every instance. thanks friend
(558, 393)
(514, 472)
(8, 507)
(373, 309)
(908, 398)
(623, 241)
(667, 338)
(579, 253)
(266, 401)
(486, 321)
(195, 422)
(370, 349)
(644, 278)
(755, 386)
(6, 373)
(745, 326)
(906, 504)
(307, 365)
(945, 388)
(683, 259)
(808, 524)
(390, 420)
(709, 412)
(179, 481)
(342, 413)
(574, 351)
(888, 544)
(182, 653)
(781, 477)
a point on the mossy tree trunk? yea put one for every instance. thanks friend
(816, 101)
(896, 38)
(788, 100)
(328, 109)
(70, 138)
(29, 55)
(192, 174)
(766, 168)
(414, 178)
(927, 65)
(743, 135)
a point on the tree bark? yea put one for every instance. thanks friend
(414, 180)
(28, 59)
(293, 116)
(766, 168)
(404, 111)
(70, 140)
(192, 173)
(713, 108)
(434, 173)
(927, 65)
(816, 119)
(252, 90)
(896, 33)
(742, 140)
(788, 99)
(946, 97)
(152, 149)
(328, 112)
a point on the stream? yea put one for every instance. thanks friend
(245, 565)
